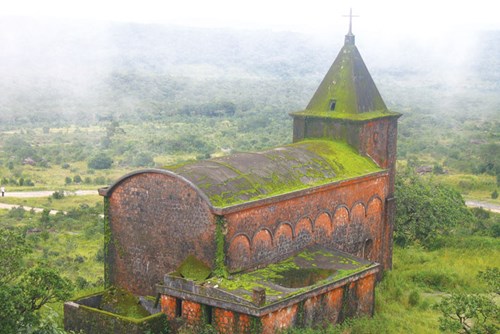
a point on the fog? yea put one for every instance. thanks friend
(64, 64)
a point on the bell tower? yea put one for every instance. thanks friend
(347, 106)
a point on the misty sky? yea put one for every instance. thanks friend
(416, 18)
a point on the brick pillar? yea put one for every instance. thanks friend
(192, 312)
(168, 306)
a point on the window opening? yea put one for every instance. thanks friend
(332, 104)
(178, 307)
(367, 250)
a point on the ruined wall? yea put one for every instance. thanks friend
(349, 217)
(155, 221)
(352, 298)
(83, 319)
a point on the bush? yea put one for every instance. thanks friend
(426, 210)
(436, 279)
(414, 298)
(494, 194)
(59, 194)
(99, 256)
(17, 213)
(100, 162)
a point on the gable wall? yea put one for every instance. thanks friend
(155, 221)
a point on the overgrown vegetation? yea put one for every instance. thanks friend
(26, 288)
(160, 106)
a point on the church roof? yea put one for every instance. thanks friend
(347, 90)
(245, 177)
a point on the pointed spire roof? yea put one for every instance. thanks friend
(347, 90)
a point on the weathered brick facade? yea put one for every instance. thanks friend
(148, 213)
(347, 298)
(346, 216)
(321, 209)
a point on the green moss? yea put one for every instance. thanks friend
(338, 85)
(348, 82)
(107, 241)
(279, 171)
(365, 116)
(255, 325)
(121, 302)
(194, 269)
(279, 273)
(220, 254)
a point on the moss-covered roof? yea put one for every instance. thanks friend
(309, 269)
(294, 277)
(245, 177)
(350, 88)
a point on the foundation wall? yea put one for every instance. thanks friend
(354, 298)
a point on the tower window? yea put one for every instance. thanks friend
(332, 104)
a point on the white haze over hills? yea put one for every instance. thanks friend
(65, 64)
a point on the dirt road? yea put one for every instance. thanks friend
(46, 193)
(485, 205)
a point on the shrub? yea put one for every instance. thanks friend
(59, 194)
(426, 210)
(17, 213)
(100, 162)
(414, 298)
(494, 194)
(436, 279)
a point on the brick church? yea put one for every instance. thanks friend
(293, 236)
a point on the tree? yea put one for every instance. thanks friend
(491, 276)
(426, 210)
(468, 313)
(100, 161)
(24, 290)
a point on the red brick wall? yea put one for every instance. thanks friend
(344, 217)
(192, 312)
(156, 220)
(279, 320)
(352, 299)
(168, 306)
(365, 288)
(229, 322)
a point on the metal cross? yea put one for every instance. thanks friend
(350, 16)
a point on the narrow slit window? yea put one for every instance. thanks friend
(367, 249)
(332, 104)
(208, 314)
(178, 307)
